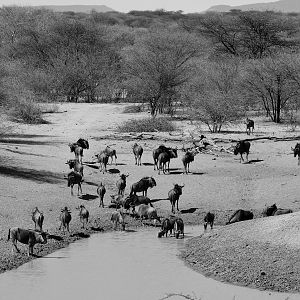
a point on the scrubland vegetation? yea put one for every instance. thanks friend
(214, 66)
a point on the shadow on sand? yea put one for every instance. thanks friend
(88, 197)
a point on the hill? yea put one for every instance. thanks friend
(76, 8)
(281, 5)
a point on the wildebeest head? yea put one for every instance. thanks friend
(237, 148)
(151, 181)
(124, 176)
(296, 150)
(178, 188)
(270, 210)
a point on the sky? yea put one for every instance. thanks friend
(127, 5)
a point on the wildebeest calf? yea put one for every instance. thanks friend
(241, 148)
(83, 215)
(240, 215)
(121, 184)
(209, 219)
(38, 219)
(25, 236)
(65, 219)
(118, 218)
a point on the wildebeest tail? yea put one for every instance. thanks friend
(8, 234)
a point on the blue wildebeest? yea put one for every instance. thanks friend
(142, 186)
(156, 152)
(110, 153)
(174, 194)
(296, 151)
(83, 215)
(38, 219)
(209, 219)
(25, 236)
(147, 212)
(121, 184)
(101, 190)
(102, 160)
(188, 158)
(166, 226)
(138, 152)
(65, 219)
(273, 210)
(241, 148)
(164, 158)
(75, 165)
(178, 227)
(118, 218)
(75, 178)
(78, 151)
(240, 215)
(249, 124)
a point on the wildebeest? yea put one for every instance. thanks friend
(178, 227)
(129, 201)
(110, 153)
(296, 151)
(117, 218)
(142, 185)
(240, 215)
(164, 158)
(74, 178)
(102, 160)
(209, 219)
(166, 225)
(83, 215)
(273, 210)
(241, 148)
(65, 219)
(156, 152)
(38, 219)
(188, 158)
(121, 184)
(25, 236)
(147, 212)
(84, 144)
(101, 190)
(138, 152)
(78, 151)
(174, 194)
(249, 124)
(76, 165)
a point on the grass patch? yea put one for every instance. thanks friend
(147, 125)
(50, 108)
(133, 109)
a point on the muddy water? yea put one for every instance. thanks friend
(120, 265)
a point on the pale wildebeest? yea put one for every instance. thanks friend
(296, 151)
(178, 227)
(38, 219)
(138, 152)
(118, 218)
(103, 161)
(25, 236)
(164, 158)
(241, 148)
(240, 215)
(75, 178)
(65, 219)
(249, 124)
(84, 144)
(188, 158)
(209, 219)
(121, 184)
(142, 186)
(110, 153)
(174, 194)
(101, 190)
(147, 212)
(78, 151)
(166, 225)
(75, 165)
(273, 210)
(83, 215)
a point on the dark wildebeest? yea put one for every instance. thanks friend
(240, 215)
(101, 190)
(188, 158)
(65, 219)
(174, 194)
(142, 186)
(38, 219)
(78, 151)
(296, 151)
(138, 152)
(75, 178)
(209, 219)
(84, 144)
(76, 165)
(273, 210)
(161, 149)
(166, 226)
(164, 158)
(249, 124)
(110, 153)
(147, 212)
(128, 202)
(118, 217)
(25, 236)
(178, 227)
(83, 215)
(103, 161)
(241, 148)
(121, 184)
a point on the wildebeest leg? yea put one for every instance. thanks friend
(177, 205)
(72, 190)
(68, 229)
(298, 160)
(247, 156)
(241, 159)
(15, 245)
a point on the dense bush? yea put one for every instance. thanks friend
(147, 125)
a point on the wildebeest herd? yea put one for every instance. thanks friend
(162, 156)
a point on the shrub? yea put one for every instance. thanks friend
(133, 109)
(50, 108)
(147, 125)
